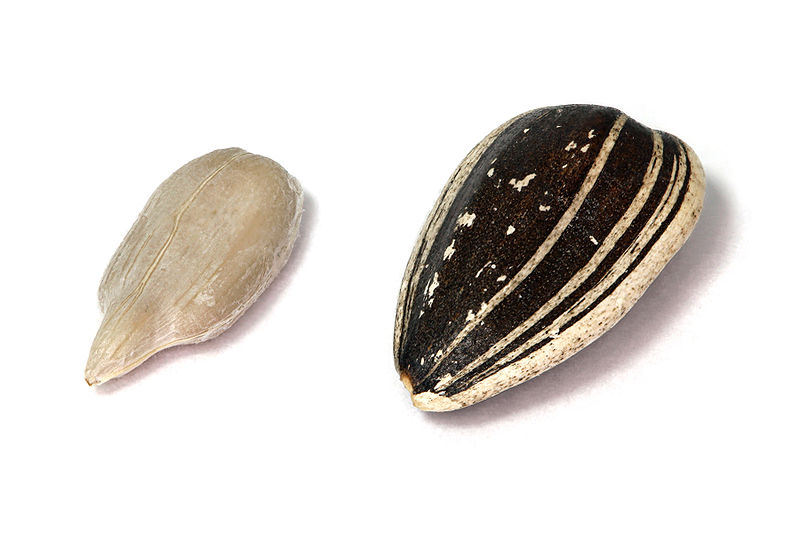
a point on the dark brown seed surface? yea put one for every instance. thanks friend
(544, 237)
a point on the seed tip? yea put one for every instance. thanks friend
(429, 401)
(406, 379)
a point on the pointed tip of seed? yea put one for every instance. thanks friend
(93, 376)
(404, 377)
(428, 401)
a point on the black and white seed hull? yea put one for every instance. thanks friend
(544, 237)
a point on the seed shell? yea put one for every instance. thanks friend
(209, 241)
(547, 233)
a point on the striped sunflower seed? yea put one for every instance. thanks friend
(547, 233)
(207, 244)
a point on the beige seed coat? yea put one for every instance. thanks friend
(209, 241)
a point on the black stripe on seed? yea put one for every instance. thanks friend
(463, 385)
(416, 302)
(517, 156)
(606, 203)
(660, 189)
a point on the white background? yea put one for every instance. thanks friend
(681, 418)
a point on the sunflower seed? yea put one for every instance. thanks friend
(208, 242)
(575, 210)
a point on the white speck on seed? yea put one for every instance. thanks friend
(523, 182)
(448, 253)
(466, 219)
(434, 283)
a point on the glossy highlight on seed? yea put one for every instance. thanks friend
(573, 211)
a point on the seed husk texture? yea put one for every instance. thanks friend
(209, 241)
(547, 233)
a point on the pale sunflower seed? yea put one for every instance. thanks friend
(208, 242)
